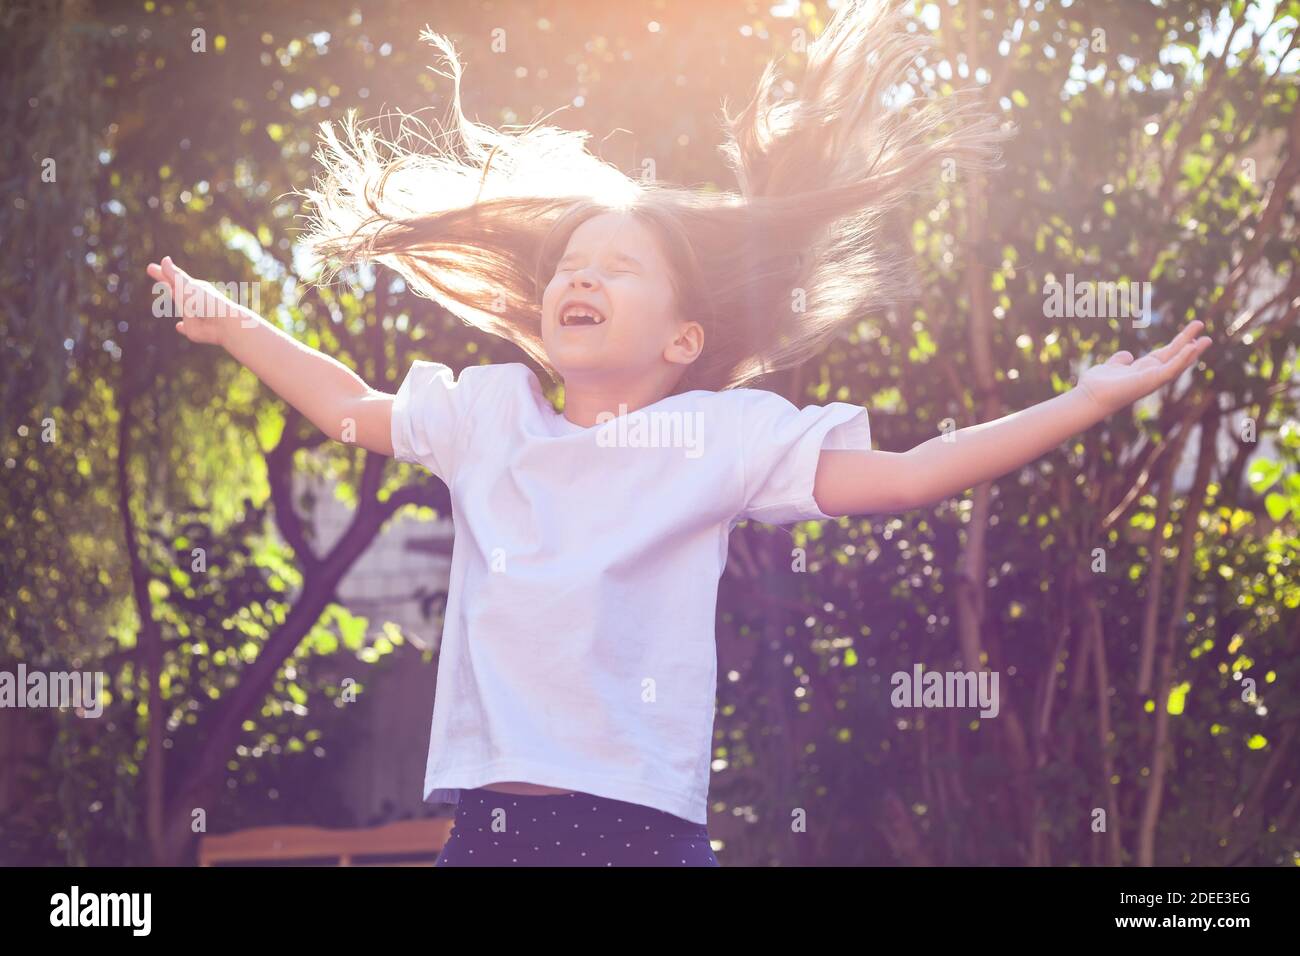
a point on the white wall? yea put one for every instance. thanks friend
(387, 766)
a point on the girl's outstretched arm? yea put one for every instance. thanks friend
(875, 482)
(328, 393)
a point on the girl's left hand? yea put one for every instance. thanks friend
(1120, 381)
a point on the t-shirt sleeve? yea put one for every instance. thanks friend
(782, 445)
(433, 413)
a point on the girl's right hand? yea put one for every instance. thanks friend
(205, 314)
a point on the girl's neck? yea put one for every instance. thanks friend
(583, 405)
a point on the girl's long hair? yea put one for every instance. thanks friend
(477, 219)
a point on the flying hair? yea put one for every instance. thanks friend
(476, 218)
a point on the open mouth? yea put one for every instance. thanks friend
(580, 315)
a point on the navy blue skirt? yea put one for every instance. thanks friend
(569, 829)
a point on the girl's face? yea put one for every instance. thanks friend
(612, 264)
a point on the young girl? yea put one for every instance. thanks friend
(575, 691)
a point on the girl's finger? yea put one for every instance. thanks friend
(1198, 348)
(1175, 346)
(1162, 373)
(1185, 357)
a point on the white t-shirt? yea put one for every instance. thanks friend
(578, 649)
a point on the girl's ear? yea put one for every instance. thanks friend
(686, 347)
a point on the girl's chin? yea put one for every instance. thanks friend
(576, 366)
(577, 354)
(585, 364)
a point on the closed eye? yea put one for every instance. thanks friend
(562, 267)
(626, 272)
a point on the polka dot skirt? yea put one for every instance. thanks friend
(569, 829)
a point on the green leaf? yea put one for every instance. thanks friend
(351, 628)
(1263, 474)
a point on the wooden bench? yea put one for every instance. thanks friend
(415, 842)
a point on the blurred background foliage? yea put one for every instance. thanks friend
(1126, 588)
